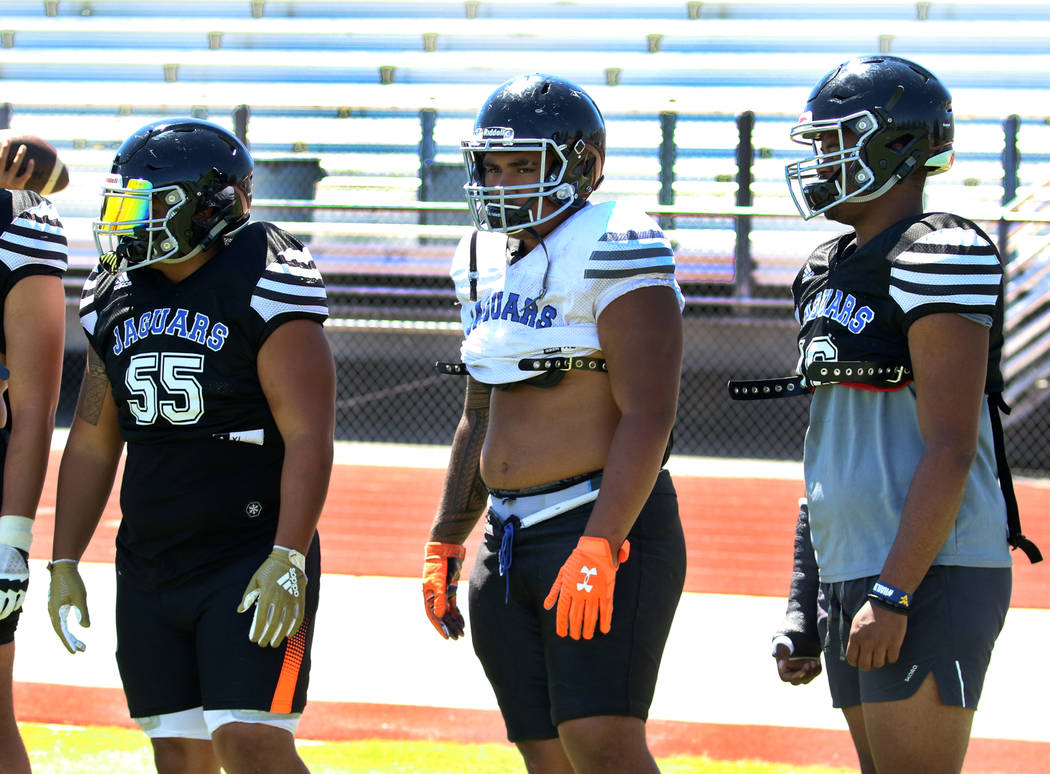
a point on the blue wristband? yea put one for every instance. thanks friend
(890, 597)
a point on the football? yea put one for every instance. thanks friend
(49, 172)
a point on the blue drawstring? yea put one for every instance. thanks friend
(506, 551)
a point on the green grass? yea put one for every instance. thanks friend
(103, 749)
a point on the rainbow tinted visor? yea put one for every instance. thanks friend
(133, 228)
(125, 207)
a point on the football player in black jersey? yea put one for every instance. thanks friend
(901, 331)
(32, 338)
(208, 360)
(573, 345)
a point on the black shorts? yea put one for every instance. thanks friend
(957, 614)
(185, 647)
(8, 626)
(542, 680)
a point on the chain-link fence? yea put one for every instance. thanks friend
(382, 225)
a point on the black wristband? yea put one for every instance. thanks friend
(883, 603)
(890, 598)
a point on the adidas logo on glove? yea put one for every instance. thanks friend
(289, 582)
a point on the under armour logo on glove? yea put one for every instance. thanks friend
(587, 572)
(582, 604)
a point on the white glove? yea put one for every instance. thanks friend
(16, 536)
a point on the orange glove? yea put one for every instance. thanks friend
(584, 588)
(441, 566)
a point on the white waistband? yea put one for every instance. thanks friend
(532, 509)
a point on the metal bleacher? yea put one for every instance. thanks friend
(378, 94)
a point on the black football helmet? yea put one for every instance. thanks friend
(176, 186)
(535, 113)
(901, 116)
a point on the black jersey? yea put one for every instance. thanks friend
(857, 304)
(31, 242)
(202, 475)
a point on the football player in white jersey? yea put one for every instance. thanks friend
(572, 353)
(33, 255)
(208, 360)
(908, 515)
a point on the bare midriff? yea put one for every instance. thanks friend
(541, 434)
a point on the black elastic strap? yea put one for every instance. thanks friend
(453, 369)
(858, 372)
(534, 364)
(822, 372)
(562, 364)
(762, 389)
(1015, 537)
(472, 275)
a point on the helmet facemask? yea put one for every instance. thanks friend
(128, 234)
(825, 180)
(570, 176)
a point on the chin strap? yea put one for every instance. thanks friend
(472, 274)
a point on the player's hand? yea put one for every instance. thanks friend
(67, 591)
(797, 671)
(875, 638)
(16, 537)
(441, 565)
(9, 177)
(278, 591)
(14, 579)
(584, 588)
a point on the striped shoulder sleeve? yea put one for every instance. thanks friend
(290, 285)
(952, 269)
(34, 242)
(628, 256)
(88, 307)
(630, 253)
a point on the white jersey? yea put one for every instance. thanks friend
(547, 302)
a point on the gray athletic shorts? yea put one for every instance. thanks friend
(542, 680)
(957, 614)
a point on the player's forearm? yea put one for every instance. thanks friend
(28, 452)
(631, 468)
(305, 477)
(464, 495)
(85, 481)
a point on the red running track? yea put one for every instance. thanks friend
(739, 534)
